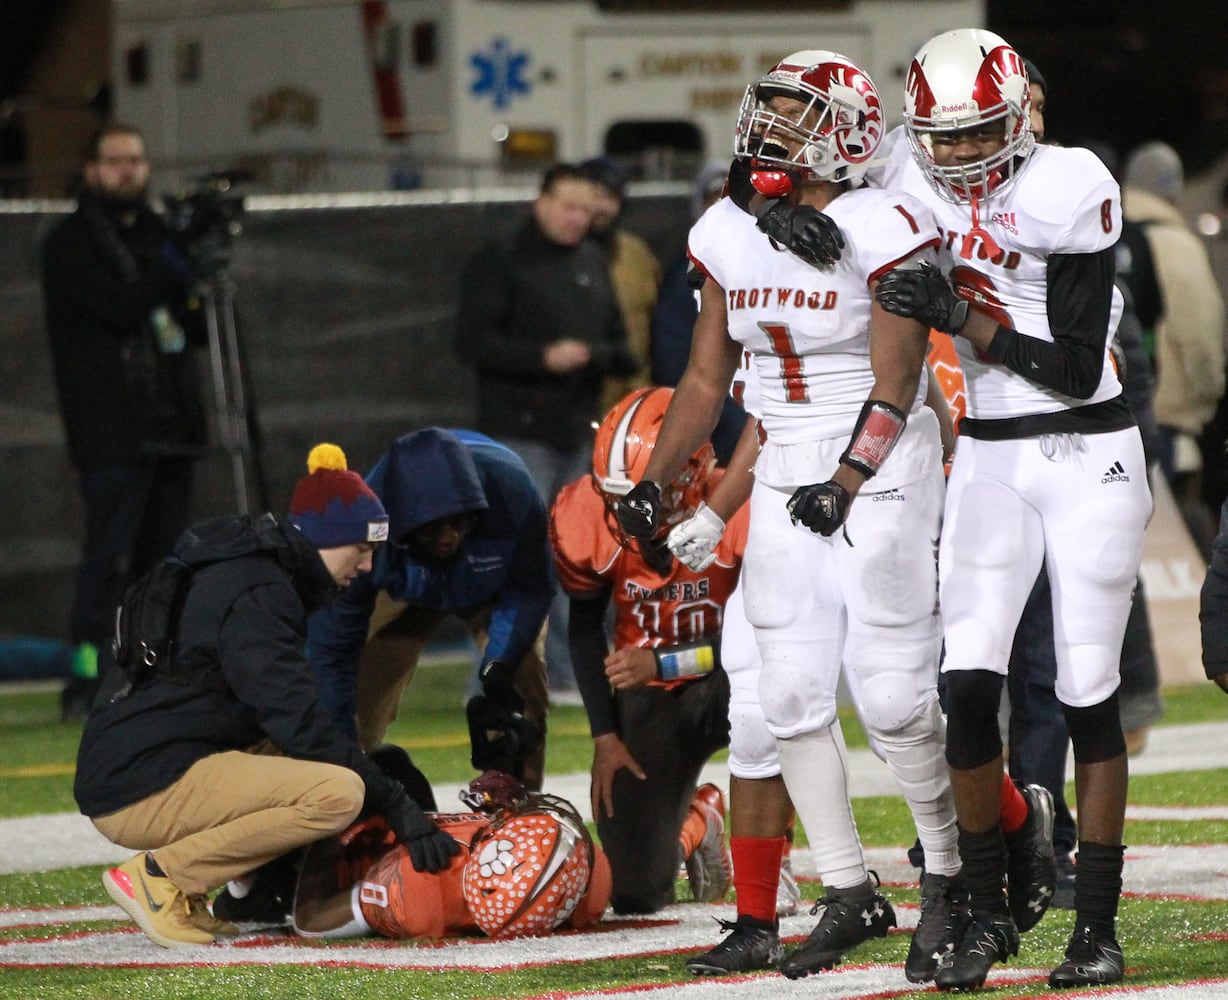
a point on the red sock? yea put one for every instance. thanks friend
(756, 872)
(1013, 806)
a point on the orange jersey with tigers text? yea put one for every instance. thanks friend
(651, 610)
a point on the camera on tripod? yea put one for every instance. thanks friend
(205, 220)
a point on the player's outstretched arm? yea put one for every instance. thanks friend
(692, 414)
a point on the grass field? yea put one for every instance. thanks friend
(60, 938)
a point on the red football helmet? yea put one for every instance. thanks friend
(624, 444)
(959, 80)
(831, 135)
(529, 870)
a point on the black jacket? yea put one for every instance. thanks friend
(245, 616)
(518, 295)
(123, 399)
(1213, 613)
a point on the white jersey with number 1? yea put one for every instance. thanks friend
(808, 332)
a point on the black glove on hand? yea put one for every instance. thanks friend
(821, 507)
(430, 849)
(923, 294)
(805, 231)
(498, 686)
(639, 511)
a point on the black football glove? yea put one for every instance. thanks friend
(639, 512)
(430, 849)
(805, 231)
(821, 507)
(498, 686)
(923, 294)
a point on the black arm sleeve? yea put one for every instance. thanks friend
(740, 188)
(588, 646)
(1080, 297)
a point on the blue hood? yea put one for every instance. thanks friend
(426, 475)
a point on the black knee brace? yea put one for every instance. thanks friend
(1095, 731)
(972, 700)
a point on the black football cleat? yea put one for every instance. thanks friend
(944, 911)
(1031, 869)
(842, 927)
(1090, 960)
(987, 938)
(749, 945)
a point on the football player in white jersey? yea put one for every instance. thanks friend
(1049, 464)
(846, 505)
(760, 811)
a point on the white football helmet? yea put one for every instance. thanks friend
(839, 127)
(958, 80)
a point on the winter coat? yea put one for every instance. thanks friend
(1213, 613)
(504, 563)
(126, 394)
(245, 619)
(520, 294)
(1189, 338)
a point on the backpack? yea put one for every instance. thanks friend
(147, 622)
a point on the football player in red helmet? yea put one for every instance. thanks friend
(839, 573)
(1029, 248)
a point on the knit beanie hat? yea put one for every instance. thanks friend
(1155, 167)
(332, 506)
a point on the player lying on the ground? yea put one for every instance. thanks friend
(526, 867)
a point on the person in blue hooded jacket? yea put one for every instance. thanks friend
(467, 537)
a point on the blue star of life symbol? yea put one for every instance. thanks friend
(500, 73)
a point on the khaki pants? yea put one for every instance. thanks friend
(235, 811)
(395, 639)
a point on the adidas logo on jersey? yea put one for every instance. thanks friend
(1006, 220)
(1116, 474)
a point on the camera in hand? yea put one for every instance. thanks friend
(205, 220)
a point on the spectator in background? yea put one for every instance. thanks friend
(635, 271)
(540, 323)
(122, 331)
(1189, 337)
(677, 308)
(1213, 613)
(467, 537)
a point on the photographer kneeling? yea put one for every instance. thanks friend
(221, 759)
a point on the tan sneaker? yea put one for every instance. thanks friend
(202, 916)
(159, 907)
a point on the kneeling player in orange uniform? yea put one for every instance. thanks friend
(528, 869)
(658, 705)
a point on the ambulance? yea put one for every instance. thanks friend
(321, 95)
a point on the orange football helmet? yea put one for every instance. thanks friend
(529, 870)
(624, 444)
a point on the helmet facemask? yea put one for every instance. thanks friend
(962, 80)
(829, 133)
